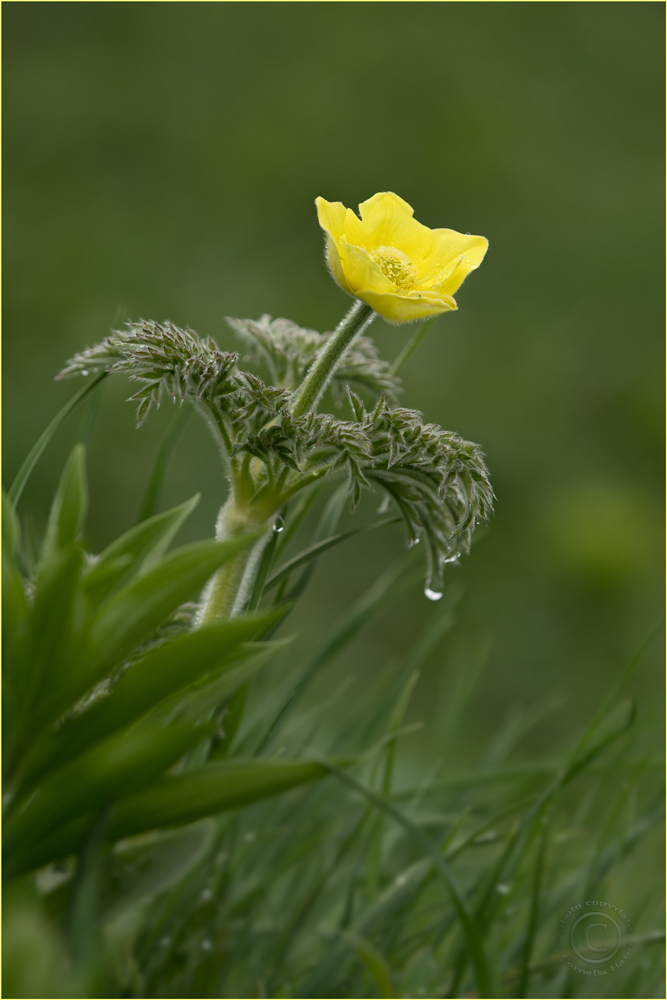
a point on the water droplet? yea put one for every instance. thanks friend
(279, 525)
(503, 888)
(84, 371)
(413, 541)
(206, 945)
(467, 234)
(433, 595)
(452, 559)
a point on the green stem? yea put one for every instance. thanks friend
(229, 587)
(321, 372)
(221, 598)
(411, 346)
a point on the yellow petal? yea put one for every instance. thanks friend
(453, 257)
(361, 271)
(396, 308)
(366, 257)
(335, 266)
(387, 220)
(330, 215)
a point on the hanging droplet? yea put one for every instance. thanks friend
(384, 506)
(431, 593)
(452, 559)
(278, 525)
(413, 541)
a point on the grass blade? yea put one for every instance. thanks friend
(391, 585)
(411, 346)
(22, 476)
(374, 961)
(151, 497)
(470, 931)
(316, 550)
(534, 909)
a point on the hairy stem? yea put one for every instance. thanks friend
(322, 370)
(227, 591)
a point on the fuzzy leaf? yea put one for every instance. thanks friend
(68, 510)
(130, 616)
(52, 654)
(175, 800)
(121, 765)
(211, 789)
(172, 667)
(136, 550)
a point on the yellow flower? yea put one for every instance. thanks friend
(403, 270)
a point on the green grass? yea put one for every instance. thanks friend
(199, 825)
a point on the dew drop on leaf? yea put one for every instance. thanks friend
(433, 595)
(279, 525)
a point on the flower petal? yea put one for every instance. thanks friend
(397, 308)
(439, 259)
(330, 215)
(335, 266)
(453, 257)
(387, 220)
(361, 271)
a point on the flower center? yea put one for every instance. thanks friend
(396, 265)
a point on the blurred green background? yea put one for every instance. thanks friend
(162, 160)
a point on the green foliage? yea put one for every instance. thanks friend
(102, 695)
(437, 480)
(287, 351)
(175, 858)
(186, 830)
